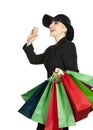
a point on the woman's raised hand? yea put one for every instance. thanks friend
(32, 36)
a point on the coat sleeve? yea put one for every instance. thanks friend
(32, 57)
(70, 57)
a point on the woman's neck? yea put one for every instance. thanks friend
(58, 38)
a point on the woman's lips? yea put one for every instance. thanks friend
(51, 30)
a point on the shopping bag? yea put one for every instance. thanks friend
(80, 104)
(88, 86)
(82, 77)
(52, 116)
(41, 109)
(65, 113)
(28, 108)
(29, 93)
(88, 93)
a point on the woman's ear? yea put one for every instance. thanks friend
(65, 29)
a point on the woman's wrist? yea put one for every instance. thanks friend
(28, 44)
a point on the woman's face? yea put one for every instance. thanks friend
(57, 29)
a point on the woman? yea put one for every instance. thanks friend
(61, 55)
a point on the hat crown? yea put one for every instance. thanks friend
(62, 18)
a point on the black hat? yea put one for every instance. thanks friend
(62, 18)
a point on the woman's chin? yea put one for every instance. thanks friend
(51, 34)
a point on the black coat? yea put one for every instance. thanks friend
(61, 55)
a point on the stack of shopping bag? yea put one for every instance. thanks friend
(60, 102)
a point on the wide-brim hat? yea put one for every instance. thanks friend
(47, 19)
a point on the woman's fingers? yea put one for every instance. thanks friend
(59, 71)
(32, 36)
(35, 31)
(56, 70)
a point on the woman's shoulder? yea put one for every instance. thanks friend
(69, 44)
(68, 47)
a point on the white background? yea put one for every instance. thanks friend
(17, 75)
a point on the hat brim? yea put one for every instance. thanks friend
(47, 19)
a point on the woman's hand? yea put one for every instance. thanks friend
(58, 72)
(32, 36)
(57, 75)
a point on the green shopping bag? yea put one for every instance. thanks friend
(40, 112)
(65, 114)
(82, 77)
(29, 93)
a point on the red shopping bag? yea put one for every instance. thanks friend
(81, 106)
(52, 116)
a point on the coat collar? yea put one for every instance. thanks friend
(61, 41)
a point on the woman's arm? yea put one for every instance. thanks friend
(29, 50)
(33, 58)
